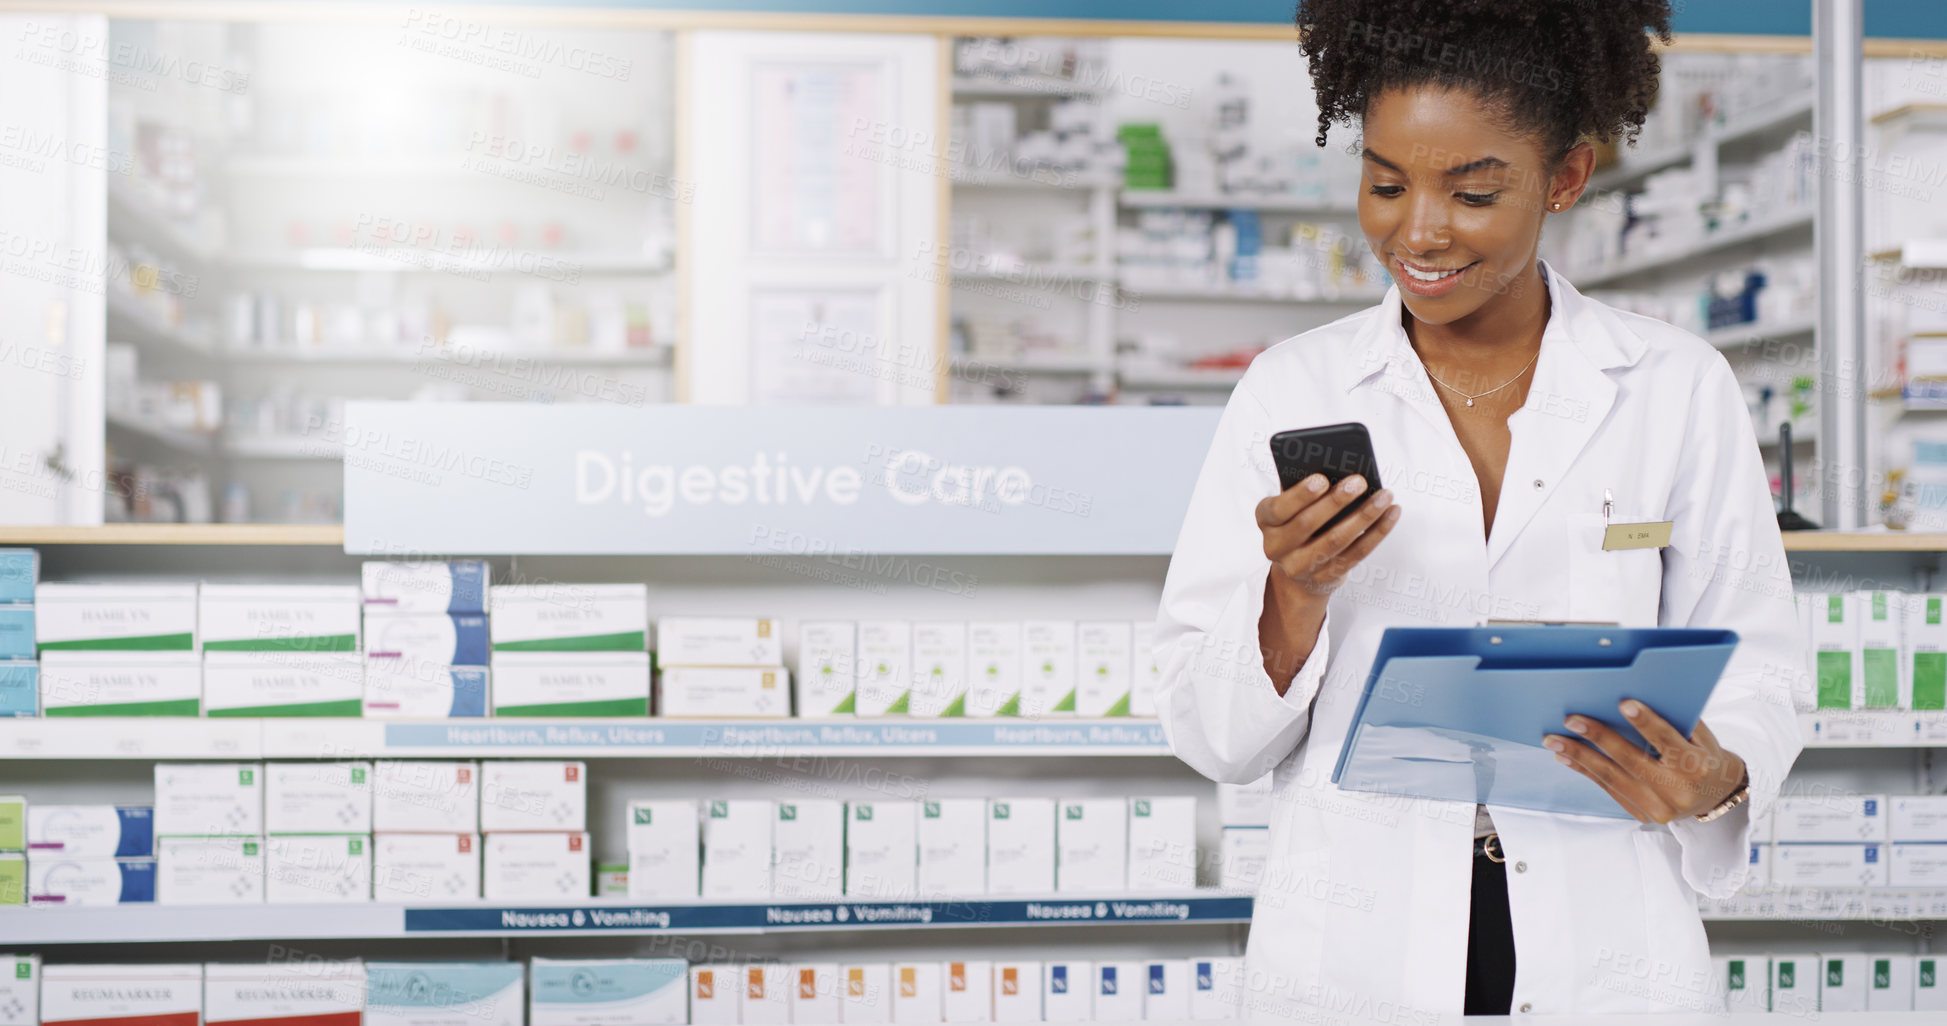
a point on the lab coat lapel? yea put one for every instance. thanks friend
(1383, 360)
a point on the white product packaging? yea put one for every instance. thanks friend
(1092, 845)
(1929, 984)
(808, 845)
(664, 849)
(1147, 672)
(607, 991)
(123, 617)
(1759, 875)
(1840, 818)
(1746, 981)
(1878, 684)
(1923, 663)
(994, 668)
(458, 586)
(1118, 991)
(1835, 650)
(967, 992)
(205, 799)
(611, 879)
(865, 993)
(571, 684)
(1843, 982)
(1166, 989)
(737, 849)
(443, 993)
(1245, 805)
(716, 995)
(1021, 846)
(299, 992)
(425, 867)
(719, 641)
(209, 871)
(1104, 672)
(317, 868)
(939, 669)
(882, 850)
(724, 692)
(67, 881)
(1216, 989)
(885, 665)
(916, 992)
(1914, 817)
(952, 847)
(569, 618)
(121, 684)
(1068, 991)
(283, 684)
(827, 677)
(396, 690)
(1047, 667)
(114, 995)
(536, 867)
(1241, 862)
(814, 992)
(533, 794)
(1162, 844)
(1891, 987)
(91, 831)
(767, 994)
(422, 796)
(318, 797)
(1829, 865)
(1017, 991)
(20, 990)
(415, 640)
(1917, 865)
(279, 617)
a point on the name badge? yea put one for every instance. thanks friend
(1651, 535)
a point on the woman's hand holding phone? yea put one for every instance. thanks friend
(1309, 564)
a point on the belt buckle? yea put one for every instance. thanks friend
(1491, 847)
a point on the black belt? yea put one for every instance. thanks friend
(1489, 848)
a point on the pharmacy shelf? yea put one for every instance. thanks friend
(304, 535)
(1737, 336)
(190, 442)
(1752, 232)
(1873, 728)
(1223, 294)
(1926, 254)
(1789, 113)
(1143, 199)
(134, 216)
(1185, 378)
(1864, 541)
(149, 923)
(288, 447)
(1055, 180)
(658, 356)
(544, 264)
(1049, 367)
(643, 738)
(1831, 904)
(1020, 86)
(1033, 275)
(130, 321)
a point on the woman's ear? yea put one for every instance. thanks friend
(1571, 178)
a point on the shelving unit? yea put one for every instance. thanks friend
(1774, 227)
(1788, 115)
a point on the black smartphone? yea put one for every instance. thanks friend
(1337, 451)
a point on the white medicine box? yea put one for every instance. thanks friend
(815, 992)
(808, 845)
(425, 867)
(1020, 846)
(881, 849)
(939, 669)
(414, 795)
(318, 797)
(664, 849)
(1104, 669)
(885, 666)
(1147, 670)
(1118, 991)
(827, 677)
(967, 992)
(20, 990)
(1092, 838)
(533, 794)
(1068, 991)
(737, 849)
(1047, 667)
(1891, 987)
(1844, 981)
(719, 641)
(994, 668)
(203, 799)
(1801, 819)
(952, 846)
(279, 617)
(537, 867)
(916, 992)
(317, 869)
(1162, 843)
(1017, 991)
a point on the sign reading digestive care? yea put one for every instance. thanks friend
(835, 482)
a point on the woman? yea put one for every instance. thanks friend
(1512, 418)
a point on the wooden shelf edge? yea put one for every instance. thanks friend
(332, 535)
(1861, 541)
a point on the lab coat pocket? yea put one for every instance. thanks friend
(1622, 586)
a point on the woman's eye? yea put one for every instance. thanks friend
(1477, 199)
(1388, 191)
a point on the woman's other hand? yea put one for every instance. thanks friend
(1687, 775)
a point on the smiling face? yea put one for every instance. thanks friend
(1452, 201)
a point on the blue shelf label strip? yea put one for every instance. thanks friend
(825, 916)
(763, 739)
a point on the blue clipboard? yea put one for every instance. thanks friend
(1459, 714)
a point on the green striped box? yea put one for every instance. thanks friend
(115, 617)
(121, 684)
(571, 684)
(279, 617)
(569, 618)
(283, 683)
(1926, 648)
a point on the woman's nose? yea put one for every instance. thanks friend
(1425, 230)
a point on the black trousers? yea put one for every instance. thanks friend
(1490, 941)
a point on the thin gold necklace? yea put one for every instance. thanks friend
(1470, 398)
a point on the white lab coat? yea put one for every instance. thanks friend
(1364, 907)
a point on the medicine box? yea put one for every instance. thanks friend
(1929, 984)
(422, 796)
(13, 878)
(1047, 667)
(716, 995)
(1216, 989)
(16, 632)
(1746, 981)
(1104, 676)
(1147, 672)
(1068, 991)
(994, 670)
(1118, 991)
(1890, 988)
(209, 871)
(1244, 854)
(1798, 819)
(1878, 683)
(1166, 990)
(91, 683)
(1835, 649)
(92, 831)
(13, 822)
(1021, 846)
(611, 879)
(939, 669)
(571, 684)
(767, 994)
(664, 846)
(1829, 865)
(20, 990)
(808, 845)
(737, 849)
(1017, 991)
(885, 660)
(68, 881)
(317, 868)
(459, 586)
(1245, 805)
(20, 689)
(724, 691)
(1795, 984)
(318, 797)
(916, 992)
(396, 690)
(607, 992)
(201, 799)
(258, 684)
(719, 641)
(827, 679)
(443, 994)
(427, 639)
(967, 992)
(881, 849)
(536, 867)
(121, 617)
(814, 992)
(865, 993)
(1092, 845)
(533, 794)
(1924, 637)
(570, 618)
(1758, 869)
(1913, 818)
(425, 867)
(1917, 865)
(121, 995)
(20, 571)
(1843, 982)
(278, 617)
(952, 846)
(1162, 843)
(299, 992)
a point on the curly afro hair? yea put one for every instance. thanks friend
(1560, 71)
